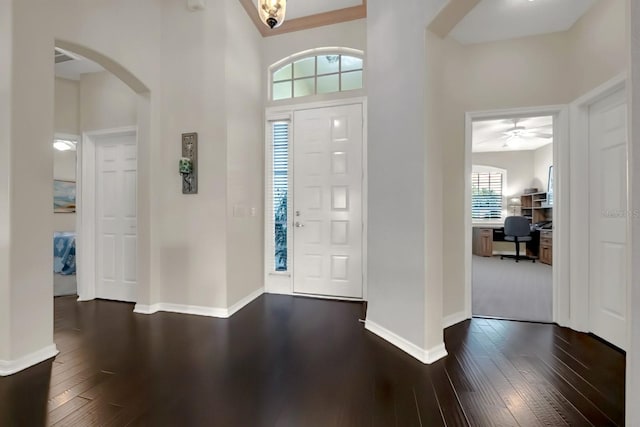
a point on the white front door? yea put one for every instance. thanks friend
(608, 219)
(116, 217)
(327, 202)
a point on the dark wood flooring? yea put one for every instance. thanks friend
(284, 361)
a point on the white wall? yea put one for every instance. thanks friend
(633, 354)
(530, 71)
(598, 46)
(26, 115)
(67, 106)
(401, 299)
(191, 247)
(66, 113)
(245, 155)
(543, 158)
(351, 34)
(105, 102)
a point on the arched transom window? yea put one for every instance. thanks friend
(318, 72)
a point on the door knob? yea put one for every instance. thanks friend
(299, 224)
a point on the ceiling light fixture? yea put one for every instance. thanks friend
(272, 12)
(64, 145)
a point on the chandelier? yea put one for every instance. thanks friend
(272, 12)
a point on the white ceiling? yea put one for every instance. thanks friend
(73, 69)
(493, 20)
(489, 135)
(301, 8)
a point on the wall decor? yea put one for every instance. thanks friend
(188, 165)
(64, 196)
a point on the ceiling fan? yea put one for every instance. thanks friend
(516, 132)
(519, 132)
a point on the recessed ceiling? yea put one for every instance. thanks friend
(78, 65)
(518, 134)
(304, 14)
(301, 8)
(493, 20)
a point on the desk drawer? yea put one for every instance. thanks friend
(548, 234)
(546, 241)
(486, 232)
(546, 254)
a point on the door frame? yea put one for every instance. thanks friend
(560, 113)
(282, 282)
(86, 214)
(580, 233)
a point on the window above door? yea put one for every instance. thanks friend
(317, 72)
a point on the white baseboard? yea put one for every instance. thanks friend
(454, 319)
(436, 353)
(244, 301)
(146, 309)
(9, 367)
(424, 356)
(198, 310)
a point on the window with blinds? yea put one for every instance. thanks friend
(486, 195)
(280, 192)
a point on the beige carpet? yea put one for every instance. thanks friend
(510, 290)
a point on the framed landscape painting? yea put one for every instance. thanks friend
(64, 196)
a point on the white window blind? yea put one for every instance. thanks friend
(486, 195)
(280, 193)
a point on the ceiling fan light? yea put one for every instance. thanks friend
(64, 145)
(272, 12)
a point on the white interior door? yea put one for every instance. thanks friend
(116, 217)
(327, 180)
(608, 219)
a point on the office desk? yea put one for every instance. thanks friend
(484, 237)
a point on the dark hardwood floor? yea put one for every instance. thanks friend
(284, 361)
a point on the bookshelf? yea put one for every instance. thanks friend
(534, 206)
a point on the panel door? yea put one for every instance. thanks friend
(327, 180)
(608, 219)
(116, 218)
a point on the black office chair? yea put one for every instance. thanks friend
(517, 230)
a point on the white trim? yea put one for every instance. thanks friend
(632, 389)
(425, 356)
(285, 112)
(454, 319)
(10, 367)
(324, 297)
(281, 283)
(146, 309)
(561, 301)
(86, 202)
(315, 52)
(244, 301)
(579, 244)
(198, 310)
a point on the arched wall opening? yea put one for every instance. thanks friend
(86, 244)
